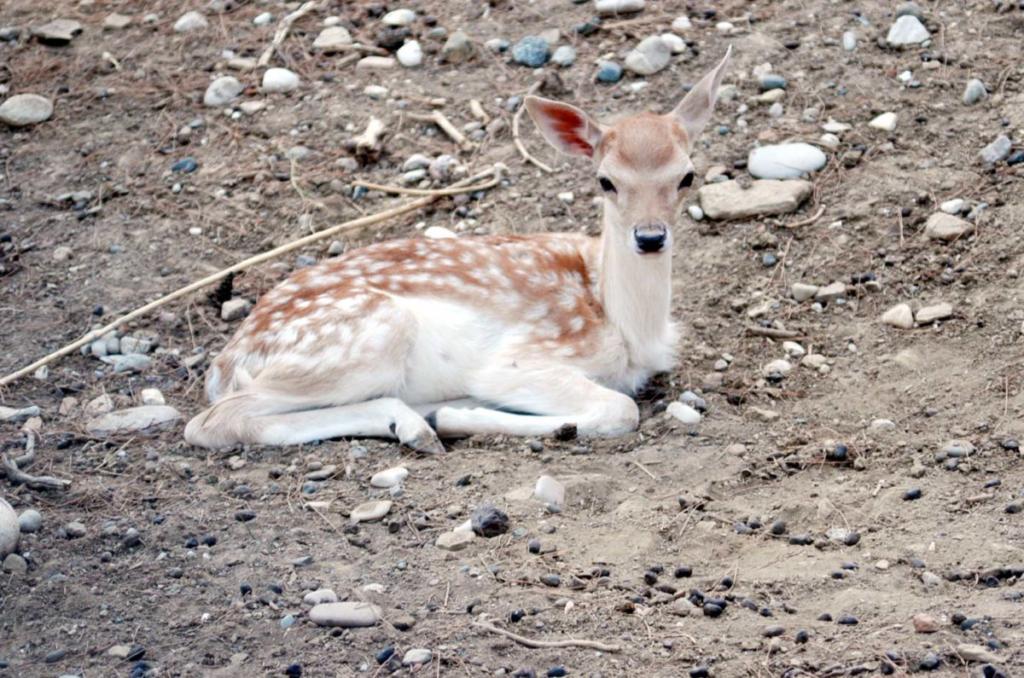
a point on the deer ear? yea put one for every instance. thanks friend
(565, 127)
(694, 111)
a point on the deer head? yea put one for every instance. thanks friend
(642, 161)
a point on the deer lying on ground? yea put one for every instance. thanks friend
(521, 335)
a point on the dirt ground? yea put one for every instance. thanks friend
(663, 498)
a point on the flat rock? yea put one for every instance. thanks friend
(146, 420)
(650, 56)
(18, 414)
(785, 161)
(930, 314)
(416, 656)
(369, 511)
(977, 653)
(612, 7)
(728, 200)
(885, 122)
(190, 21)
(946, 227)
(22, 110)
(900, 316)
(320, 596)
(389, 477)
(399, 17)
(116, 22)
(10, 531)
(455, 540)
(345, 615)
(907, 30)
(831, 292)
(58, 31)
(333, 39)
(374, 62)
(235, 309)
(803, 291)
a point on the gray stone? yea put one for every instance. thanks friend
(649, 57)
(946, 227)
(399, 17)
(899, 316)
(58, 31)
(10, 532)
(389, 477)
(803, 291)
(74, 530)
(15, 564)
(564, 56)
(849, 41)
(190, 21)
(222, 91)
(831, 292)
(729, 200)
(930, 314)
(332, 39)
(146, 419)
(785, 161)
(532, 51)
(345, 615)
(907, 30)
(30, 521)
(369, 511)
(320, 596)
(18, 414)
(454, 541)
(974, 91)
(116, 22)
(235, 309)
(133, 363)
(22, 110)
(457, 48)
(417, 656)
(997, 150)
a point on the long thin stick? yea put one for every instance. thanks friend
(442, 121)
(402, 190)
(282, 30)
(539, 644)
(519, 142)
(466, 185)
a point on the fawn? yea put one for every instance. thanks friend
(521, 335)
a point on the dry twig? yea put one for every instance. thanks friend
(519, 142)
(282, 30)
(540, 644)
(442, 121)
(16, 475)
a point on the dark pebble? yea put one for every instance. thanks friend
(849, 566)
(1014, 507)
(489, 521)
(186, 165)
(293, 670)
(551, 580)
(887, 668)
(958, 618)
(650, 578)
(524, 673)
(463, 481)
(244, 516)
(773, 631)
(726, 583)
(852, 538)
(801, 540)
(847, 620)
(699, 672)
(210, 540)
(245, 589)
(968, 624)
(749, 604)
(136, 653)
(533, 546)
(989, 671)
(556, 671)
(1015, 158)
(1011, 444)
(175, 573)
(712, 610)
(55, 656)
(766, 612)
(993, 483)
(683, 571)
(276, 588)
(838, 574)
(930, 662)
(742, 528)
(802, 637)
(838, 453)
(656, 569)
(191, 543)
(824, 617)
(385, 654)
(912, 494)
(517, 615)
(917, 563)
(778, 527)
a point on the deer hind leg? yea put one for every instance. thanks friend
(549, 397)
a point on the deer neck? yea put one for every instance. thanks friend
(636, 292)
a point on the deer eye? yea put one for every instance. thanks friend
(686, 182)
(606, 185)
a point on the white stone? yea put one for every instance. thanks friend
(829, 141)
(320, 596)
(369, 511)
(280, 80)
(907, 30)
(346, 615)
(946, 227)
(144, 419)
(549, 491)
(954, 206)
(997, 150)
(610, 7)
(22, 110)
(899, 316)
(849, 41)
(190, 21)
(399, 17)
(675, 44)
(416, 656)
(803, 291)
(438, 233)
(684, 413)
(410, 54)
(332, 39)
(235, 309)
(793, 349)
(779, 366)
(455, 540)
(10, 531)
(417, 161)
(885, 122)
(764, 197)
(883, 425)
(785, 161)
(815, 361)
(152, 396)
(376, 92)
(681, 24)
(835, 127)
(374, 62)
(30, 521)
(725, 27)
(568, 197)
(262, 19)
(222, 91)
(974, 92)
(696, 213)
(389, 477)
(930, 314)
(830, 292)
(649, 57)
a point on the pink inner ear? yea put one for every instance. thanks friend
(568, 123)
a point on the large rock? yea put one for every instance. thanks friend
(25, 109)
(946, 227)
(58, 31)
(146, 420)
(785, 161)
(10, 532)
(728, 200)
(346, 615)
(649, 57)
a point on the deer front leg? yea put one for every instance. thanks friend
(536, 401)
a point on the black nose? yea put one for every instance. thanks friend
(650, 238)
